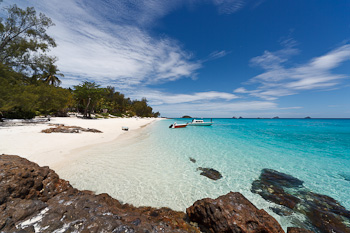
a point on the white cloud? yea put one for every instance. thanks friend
(241, 90)
(228, 6)
(161, 98)
(108, 41)
(215, 109)
(113, 51)
(277, 80)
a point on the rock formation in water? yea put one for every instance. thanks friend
(323, 213)
(35, 199)
(231, 213)
(210, 173)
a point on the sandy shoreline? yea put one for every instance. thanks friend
(55, 149)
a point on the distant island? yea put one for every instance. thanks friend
(186, 116)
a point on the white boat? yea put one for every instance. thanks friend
(199, 123)
(174, 126)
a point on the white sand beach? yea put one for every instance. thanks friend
(55, 149)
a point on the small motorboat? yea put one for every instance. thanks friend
(199, 123)
(175, 125)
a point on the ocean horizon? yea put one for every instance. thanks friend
(153, 168)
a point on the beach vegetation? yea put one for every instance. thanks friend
(87, 96)
(30, 79)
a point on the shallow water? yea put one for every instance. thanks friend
(153, 167)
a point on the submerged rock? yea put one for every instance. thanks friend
(324, 213)
(35, 199)
(192, 160)
(231, 213)
(280, 179)
(345, 176)
(210, 173)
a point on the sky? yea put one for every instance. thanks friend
(209, 58)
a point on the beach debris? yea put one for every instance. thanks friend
(35, 199)
(323, 213)
(232, 213)
(69, 129)
(210, 173)
(192, 160)
(125, 128)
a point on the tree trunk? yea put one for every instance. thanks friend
(86, 108)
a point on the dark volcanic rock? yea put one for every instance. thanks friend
(232, 213)
(34, 199)
(323, 212)
(210, 173)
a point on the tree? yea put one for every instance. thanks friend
(52, 100)
(87, 95)
(141, 108)
(24, 42)
(49, 71)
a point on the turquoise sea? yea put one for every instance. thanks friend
(152, 167)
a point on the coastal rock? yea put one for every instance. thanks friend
(322, 212)
(69, 129)
(231, 213)
(192, 160)
(297, 230)
(280, 179)
(210, 173)
(274, 193)
(34, 199)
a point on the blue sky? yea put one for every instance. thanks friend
(209, 58)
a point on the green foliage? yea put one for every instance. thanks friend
(51, 99)
(91, 98)
(87, 96)
(24, 43)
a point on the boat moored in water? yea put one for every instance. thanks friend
(175, 125)
(199, 123)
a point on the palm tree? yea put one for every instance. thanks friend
(52, 79)
(50, 73)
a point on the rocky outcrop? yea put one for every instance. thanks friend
(69, 129)
(231, 213)
(35, 199)
(297, 230)
(323, 213)
(210, 173)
